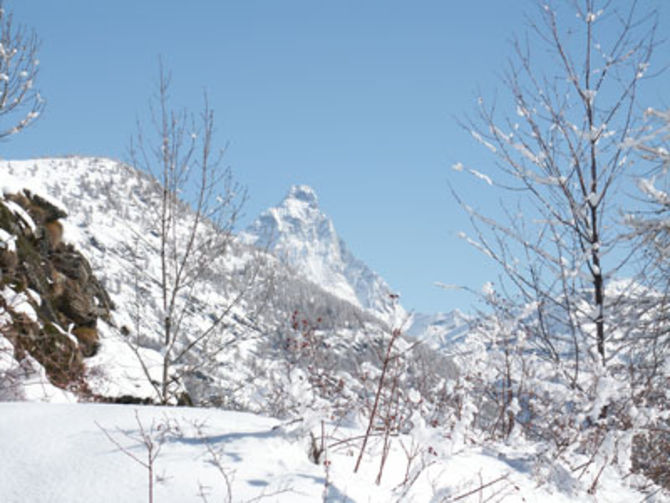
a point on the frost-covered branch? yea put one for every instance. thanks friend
(20, 101)
(563, 330)
(562, 154)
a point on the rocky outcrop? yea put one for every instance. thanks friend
(58, 328)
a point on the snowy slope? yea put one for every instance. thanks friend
(283, 366)
(300, 233)
(73, 454)
(110, 218)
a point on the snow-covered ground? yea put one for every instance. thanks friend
(86, 453)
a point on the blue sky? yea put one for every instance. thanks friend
(358, 99)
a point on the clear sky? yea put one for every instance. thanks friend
(359, 99)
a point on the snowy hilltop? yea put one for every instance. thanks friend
(299, 233)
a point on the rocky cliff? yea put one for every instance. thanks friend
(50, 300)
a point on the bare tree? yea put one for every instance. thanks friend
(20, 102)
(388, 410)
(563, 314)
(574, 90)
(651, 225)
(188, 237)
(651, 229)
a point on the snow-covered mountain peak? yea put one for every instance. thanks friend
(299, 215)
(296, 218)
(299, 233)
(303, 193)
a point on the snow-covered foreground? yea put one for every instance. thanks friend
(84, 453)
(61, 453)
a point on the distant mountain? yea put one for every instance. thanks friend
(300, 234)
(440, 330)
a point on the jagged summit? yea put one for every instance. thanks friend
(297, 215)
(303, 193)
(299, 233)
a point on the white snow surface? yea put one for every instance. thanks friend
(7, 241)
(17, 210)
(18, 302)
(303, 236)
(81, 453)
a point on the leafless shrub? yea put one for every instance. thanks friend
(385, 413)
(151, 439)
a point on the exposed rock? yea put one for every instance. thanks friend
(125, 399)
(88, 340)
(69, 299)
(71, 263)
(8, 260)
(54, 233)
(81, 297)
(48, 210)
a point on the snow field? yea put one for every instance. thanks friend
(74, 453)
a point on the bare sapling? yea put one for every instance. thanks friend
(187, 238)
(151, 439)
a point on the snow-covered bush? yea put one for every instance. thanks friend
(585, 415)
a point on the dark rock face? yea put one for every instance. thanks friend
(48, 212)
(83, 298)
(71, 299)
